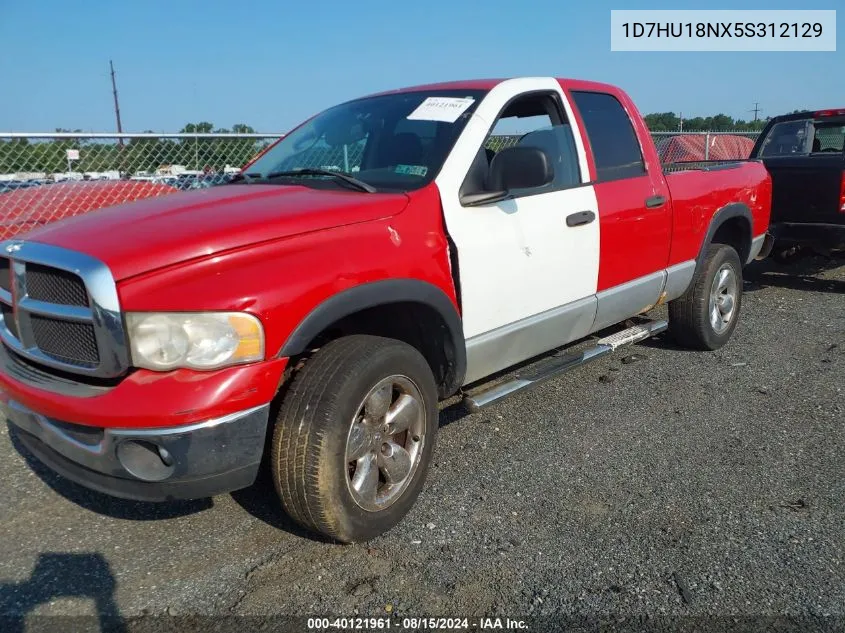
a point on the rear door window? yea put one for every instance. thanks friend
(828, 138)
(787, 138)
(613, 139)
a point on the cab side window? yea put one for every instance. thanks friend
(828, 138)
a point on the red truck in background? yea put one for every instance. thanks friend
(315, 314)
(29, 208)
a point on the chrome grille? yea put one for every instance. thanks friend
(66, 341)
(60, 309)
(55, 286)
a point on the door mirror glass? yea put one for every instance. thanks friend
(520, 168)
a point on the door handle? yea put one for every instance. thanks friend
(655, 202)
(582, 217)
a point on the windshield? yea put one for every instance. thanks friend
(393, 142)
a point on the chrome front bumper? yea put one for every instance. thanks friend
(160, 464)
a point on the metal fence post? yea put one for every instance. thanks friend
(707, 146)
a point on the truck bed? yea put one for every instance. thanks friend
(701, 189)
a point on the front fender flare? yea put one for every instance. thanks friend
(370, 295)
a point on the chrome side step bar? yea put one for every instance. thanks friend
(562, 364)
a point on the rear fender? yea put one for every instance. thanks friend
(723, 215)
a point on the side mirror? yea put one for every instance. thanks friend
(520, 168)
(513, 168)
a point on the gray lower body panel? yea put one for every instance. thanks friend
(624, 301)
(678, 279)
(756, 247)
(514, 343)
(503, 347)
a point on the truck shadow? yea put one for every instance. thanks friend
(261, 502)
(86, 576)
(800, 274)
(102, 503)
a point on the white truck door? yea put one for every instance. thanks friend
(528, 265)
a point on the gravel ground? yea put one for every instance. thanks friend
(664, 482)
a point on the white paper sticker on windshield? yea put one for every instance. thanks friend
(446, 109)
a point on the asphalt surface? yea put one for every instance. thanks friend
(667, 483)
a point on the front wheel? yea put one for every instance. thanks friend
(705, 316)
(354, 437)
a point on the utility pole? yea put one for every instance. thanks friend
(756, 110)
(116, 106)
(681, 117)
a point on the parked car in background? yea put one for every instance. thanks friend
(158, 350)
(201, 181)
(14, 185)
(804, 154)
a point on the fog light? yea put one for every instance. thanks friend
(145, 460)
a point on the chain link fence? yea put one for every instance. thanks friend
(699, 146)
(50, 176)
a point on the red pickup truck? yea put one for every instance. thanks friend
(389, 253)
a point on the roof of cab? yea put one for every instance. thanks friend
(806, 114)
(489, 84)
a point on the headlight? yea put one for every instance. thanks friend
(195, 340)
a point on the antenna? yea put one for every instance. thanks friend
(756, 110)
(116, 105)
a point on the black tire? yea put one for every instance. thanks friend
(689, 315)
(308, 450)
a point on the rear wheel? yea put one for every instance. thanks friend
(705, 316)
(354, 437)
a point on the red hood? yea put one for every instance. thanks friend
(144, 235)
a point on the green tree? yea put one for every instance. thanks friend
(196, 153)
(197, 128)
(722, 122)
(670, 122)
(147, 154)
(242, 150)
(663, 122)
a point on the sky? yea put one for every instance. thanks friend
(273, 63)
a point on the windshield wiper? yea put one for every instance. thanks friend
(340, 175)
